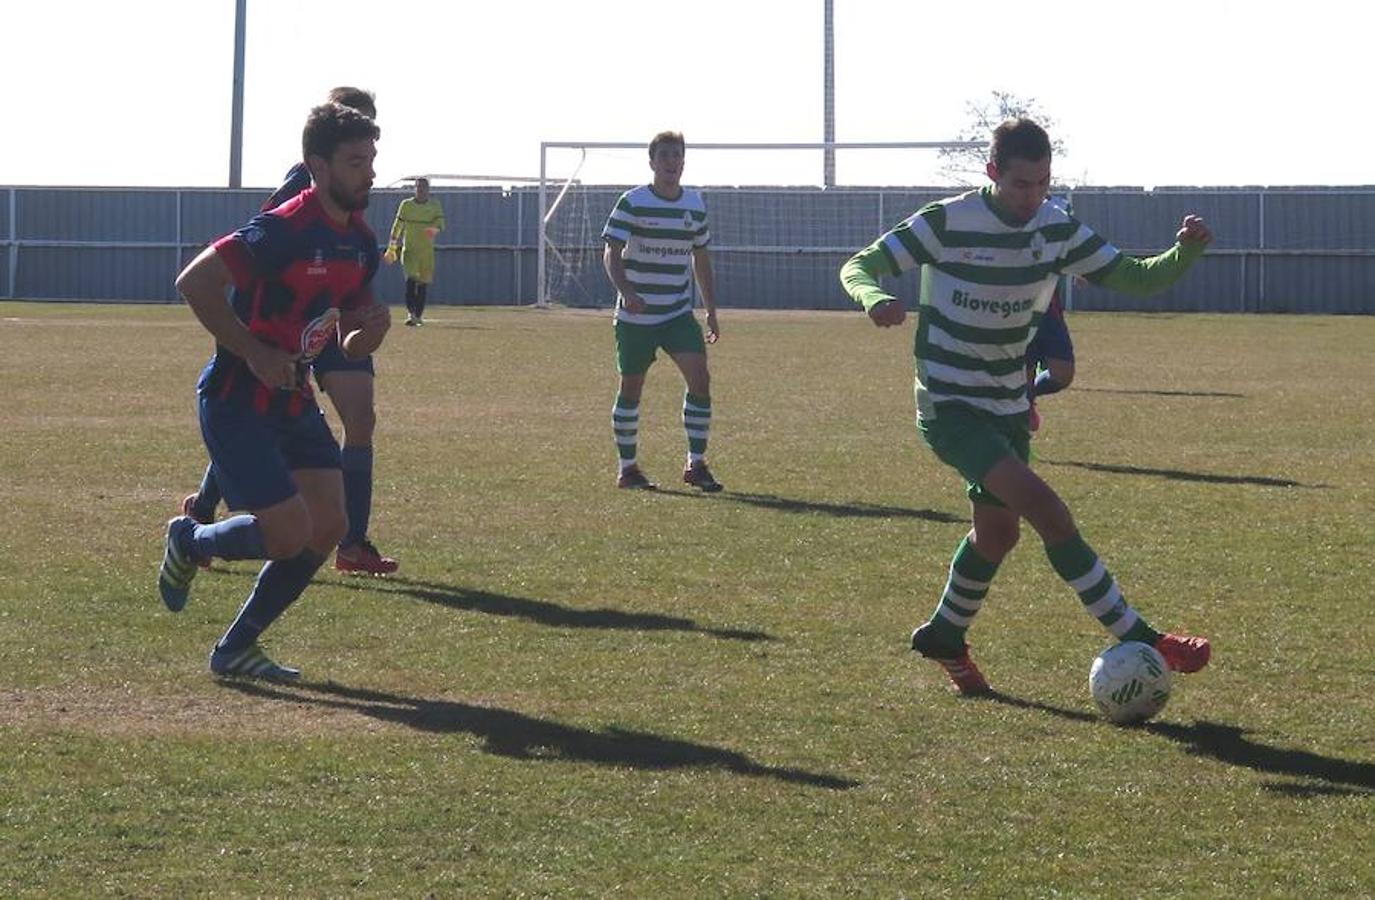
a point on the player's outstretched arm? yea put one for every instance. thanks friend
(859, 276)
(202, 285)
(1146, 277)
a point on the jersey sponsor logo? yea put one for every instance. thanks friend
(664, 250)
(1000, 308)
(316, 336)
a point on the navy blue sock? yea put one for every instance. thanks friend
(207, 496)
(1043, 385)
(280, 582)
(357, 465)
(238, 537)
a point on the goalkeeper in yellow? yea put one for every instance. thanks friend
(418, 220)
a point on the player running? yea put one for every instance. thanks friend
(991, 259)
(301, 276)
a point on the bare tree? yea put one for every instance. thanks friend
(967, 166)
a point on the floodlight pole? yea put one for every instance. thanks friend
(828, 125)
(236, 116)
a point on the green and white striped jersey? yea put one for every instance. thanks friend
(659, 236)
(985, 284)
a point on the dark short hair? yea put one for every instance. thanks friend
(667, 137)
(1018, 138)
(356, 98)
(332, 124)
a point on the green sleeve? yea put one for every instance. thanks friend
(1144, 277)
(859, 276)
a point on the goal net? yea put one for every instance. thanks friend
(778, 236)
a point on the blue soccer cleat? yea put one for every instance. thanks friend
(250, 662)
(174, 578)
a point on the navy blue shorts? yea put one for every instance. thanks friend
(332, 359)
(1052, 339)
(254, 455)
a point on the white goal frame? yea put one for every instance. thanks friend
(547, 210)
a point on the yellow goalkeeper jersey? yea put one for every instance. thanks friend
(413, 218)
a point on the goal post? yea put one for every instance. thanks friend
(775, 228)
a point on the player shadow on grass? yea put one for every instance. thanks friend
(508, 733)
(853, 509)
(1149, 393)
(541, 611)
(1181, 475)
(1229, 744)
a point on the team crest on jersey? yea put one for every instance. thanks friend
(687, 220)
(316, 336)
(253, 234)
(317, 265)
(1038, 246)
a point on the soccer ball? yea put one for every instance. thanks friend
(1130, 682)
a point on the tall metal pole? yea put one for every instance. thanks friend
(236, 124)
(828, 128)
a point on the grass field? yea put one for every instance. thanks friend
(570, 690)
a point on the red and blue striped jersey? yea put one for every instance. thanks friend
(293, 270)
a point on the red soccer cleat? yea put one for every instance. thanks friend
(1183, 653)
(362, 558)
(968, 680)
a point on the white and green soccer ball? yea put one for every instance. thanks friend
(1130, 682)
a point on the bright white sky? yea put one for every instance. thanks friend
(1165, 92)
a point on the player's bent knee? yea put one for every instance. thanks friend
(285, 543)
(286, 528)
(329, 530)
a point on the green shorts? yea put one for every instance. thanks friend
(973, 442)
(635, 344)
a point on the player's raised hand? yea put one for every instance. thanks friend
(888, 313)
(713, 329)
(273, 367)
(1194, 230)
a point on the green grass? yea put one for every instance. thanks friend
(572, 690)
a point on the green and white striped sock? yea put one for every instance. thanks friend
(965, 590)
(1080, 567)
(625, 423)
(697, 424)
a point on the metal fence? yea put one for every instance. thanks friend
(1308, 250)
